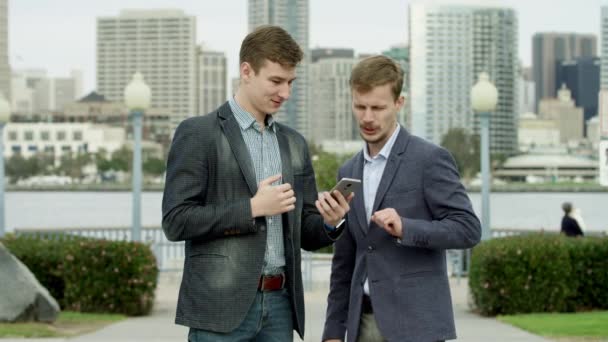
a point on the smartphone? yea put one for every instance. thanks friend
(346, 186)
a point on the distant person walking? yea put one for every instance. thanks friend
(570, 226)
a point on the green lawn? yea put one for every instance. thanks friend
(582, 324)
(68, 324)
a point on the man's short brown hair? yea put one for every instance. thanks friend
(377, 71)
(270, 43)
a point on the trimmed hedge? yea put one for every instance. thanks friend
(589, 260)
(90, 275)
(539, 273)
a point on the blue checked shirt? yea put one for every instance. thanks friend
(264, 151)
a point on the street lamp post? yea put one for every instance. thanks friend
(484, 97)
(137, 99)
(5, 111)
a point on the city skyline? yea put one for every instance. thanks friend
(365, 29)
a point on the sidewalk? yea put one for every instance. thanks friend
(159, 326)
(469, 327)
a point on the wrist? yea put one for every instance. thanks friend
(254, 208)
(336, 224)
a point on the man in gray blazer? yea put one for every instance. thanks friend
(389, 279)
(240, 191)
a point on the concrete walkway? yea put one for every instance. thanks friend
(159, 326)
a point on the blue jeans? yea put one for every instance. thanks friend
(269, 319)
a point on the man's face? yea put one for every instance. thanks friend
(267, 89)
(376, 113)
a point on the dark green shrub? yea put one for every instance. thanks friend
(589, 260)
(44, 257)
(521, 274)
(110, 276)
(91, 275)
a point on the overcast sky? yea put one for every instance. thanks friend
(59, 35)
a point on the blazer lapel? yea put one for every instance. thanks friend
(359, 200)
(287, 170)
(391, 168)
(232, 130)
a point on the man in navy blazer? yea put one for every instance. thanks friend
(389, 279)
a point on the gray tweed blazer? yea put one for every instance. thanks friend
(206, 203)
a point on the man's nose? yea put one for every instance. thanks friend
(285, 91)
(368, 115)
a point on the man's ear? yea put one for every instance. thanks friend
(246, 71)
(400, 102)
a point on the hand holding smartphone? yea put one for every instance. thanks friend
(346, 186)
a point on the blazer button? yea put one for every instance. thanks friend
(263, 228)
(370, 249)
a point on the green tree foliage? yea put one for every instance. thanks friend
(102, 161)
(326, 167)
(154, 166)
(72, 164)
(122, 159)
(464, 148)
(17, 167)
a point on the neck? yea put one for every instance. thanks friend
(374, 148)
(245, 103)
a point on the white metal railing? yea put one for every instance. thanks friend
(315, 266)
(169, 255)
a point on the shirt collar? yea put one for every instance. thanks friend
(386, 149)
(247, 120)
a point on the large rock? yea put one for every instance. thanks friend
(22, 298)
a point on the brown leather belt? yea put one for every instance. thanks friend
(271, 282)
(366, 305)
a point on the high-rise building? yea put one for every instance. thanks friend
(562, 110)
(604, 48)
(401, 54)
(331, 111)
(213, 80)
(582, 76)
(34, 92)
(548, 49)
(592, 126)
(5, 69)
(525, 91)
(291, 15)
(158, 43)
(322, 53)
(603, 95)
(535, 132)
(450, 45)
(234, 82)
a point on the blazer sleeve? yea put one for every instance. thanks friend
(454, 224)
(185, 216)
(342, 266)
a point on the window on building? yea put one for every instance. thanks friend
(77, 135)
(61, 135)
(16, 149)
(45, 135)
(12, 135)
(29, 135)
